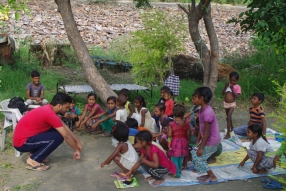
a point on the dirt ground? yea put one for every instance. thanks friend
(86, 174)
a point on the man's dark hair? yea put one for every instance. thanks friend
(35, 73)
(120, 132)
(61, 98)
(132, 123)
(259, 95)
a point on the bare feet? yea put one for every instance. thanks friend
(211, 160)
(157, 182)
(184, 168)
(149, 178)
(34, 163)
(227, 136)
(195, 171)
(260, 171)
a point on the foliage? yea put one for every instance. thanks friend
(163, 36)
(142, 3)
(16, 5)
(267, 20)
(233, 2)
(280, 124)
(258, 69)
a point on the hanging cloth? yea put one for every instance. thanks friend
(173, 82)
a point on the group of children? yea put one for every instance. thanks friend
(168, 137)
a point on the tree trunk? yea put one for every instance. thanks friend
(97, 82)
(214, 52)
(209, 57)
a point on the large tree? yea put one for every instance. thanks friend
(97, 82)
(210, 58)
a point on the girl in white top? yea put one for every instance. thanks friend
(146, 120)
(124, 155)
(259, 147)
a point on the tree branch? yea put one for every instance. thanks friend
(193, 5)
(183, 8)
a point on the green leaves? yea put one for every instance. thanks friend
(16, 5)
(266, 19)
(152, 47)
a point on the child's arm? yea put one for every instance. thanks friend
(188, 133)
(152, 164)
(187, 115)
(263, 126)
(226, 85)
(90, 114)
(104, 119)
(82, 115)
(198, 138)
(243, 161)
(257, 161)
(32, 98)
(130, 109)
(136, 166)
(99, 115)
(114, 154)
(205, 139)
(42, 95)
(143, 112)
(169, 137)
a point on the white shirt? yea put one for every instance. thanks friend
(260, 145)
(121, 115)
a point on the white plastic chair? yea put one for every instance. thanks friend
(4, 104)
(10, 120)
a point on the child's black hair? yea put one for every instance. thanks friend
(144, 136)
(161, 106)
(198, 120)
(35, 73)
(113, 98)
(132, 123)
(259, 95)
(121, 99)
(204, 92)
(120, 132)
(179, 110)
(234, 74)
(91, 94)
(166, 122)
(141, 100)
(257, 128)
(168, 91)
(124, 92)
(165, 89)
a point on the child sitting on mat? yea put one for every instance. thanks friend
(258, 149)
(124, 155)
(106, 118)
(153, 160)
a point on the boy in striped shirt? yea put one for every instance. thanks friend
(257, 115)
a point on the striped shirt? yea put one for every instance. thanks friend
(256, 114)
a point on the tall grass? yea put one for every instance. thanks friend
(257, 71)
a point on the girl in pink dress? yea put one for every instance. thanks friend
(178, 136)
(91, 109)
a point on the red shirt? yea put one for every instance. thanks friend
(169, 104)
(37, 121)
(163, 160)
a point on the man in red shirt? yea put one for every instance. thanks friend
(41, 131)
